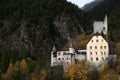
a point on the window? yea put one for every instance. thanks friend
(97, 59)
(97, 40)
(101, 53)
(104, 53)
(59, 54)
(102, 58)
(95, 47)
(54, 62)
(105, 47)
(54, 54)
(96, 53)
(67, 58)
(90, 47)
(58, 58)
(90, 53)
(101, 47)
(92, 40)
(91, 59)
(102, 40)
(67, 62)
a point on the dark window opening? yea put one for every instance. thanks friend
(54, 54)
(97, 59)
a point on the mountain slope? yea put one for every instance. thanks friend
(29, 28)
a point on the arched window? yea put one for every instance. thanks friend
(96, 58)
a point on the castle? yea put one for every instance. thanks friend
(97, 49)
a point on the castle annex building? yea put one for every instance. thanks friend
(96, 52)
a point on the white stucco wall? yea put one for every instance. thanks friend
(99, 54)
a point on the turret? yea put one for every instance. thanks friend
(54, 49)
(71, 49)
(54, 56)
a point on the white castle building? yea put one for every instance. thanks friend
(97, 49)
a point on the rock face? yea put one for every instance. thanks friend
(91, 5)
(35, 26)
(68, 27)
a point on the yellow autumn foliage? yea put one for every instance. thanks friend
(10, 71)
(71, 72)
(43, 74)
(78, 71)
(118, 65)
(23, 65)
(105, 65)
(109, 75)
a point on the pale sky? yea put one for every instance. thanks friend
(80, 3)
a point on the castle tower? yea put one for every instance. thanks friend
(105, 26)
(71, 49)
(101, 26)
(54, 56)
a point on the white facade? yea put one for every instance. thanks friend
(63, 57)
(97, 50)
(81, 55)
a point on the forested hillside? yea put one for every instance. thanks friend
(29, 29)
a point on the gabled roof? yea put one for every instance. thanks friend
(97, 34)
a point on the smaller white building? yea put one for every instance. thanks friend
(62, 57)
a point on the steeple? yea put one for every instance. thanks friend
(54, 49)
(71, 49)
(71, 43)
